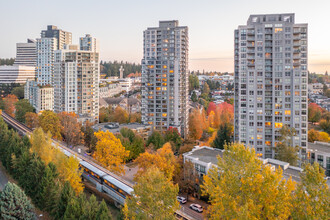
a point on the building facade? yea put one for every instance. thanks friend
(89, 43)
(76, 82)
(165, 77)
(270, 82)
(45, 60)
(40, 97)
(62, 37)
(320, 152)
(16, 74)
(26, 53)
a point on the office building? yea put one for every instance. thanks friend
(89, 43)
(76, 82)
(16, 74)
(270, 82)
(165, 77)
(26, 53)
(63, 37)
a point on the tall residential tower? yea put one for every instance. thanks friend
(270, 82)
(165, 77)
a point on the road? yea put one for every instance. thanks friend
(185, 207)
(3, 178)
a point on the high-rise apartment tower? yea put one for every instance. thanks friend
(270, 82)
(165, 77)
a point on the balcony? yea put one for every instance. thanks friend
(250, 32)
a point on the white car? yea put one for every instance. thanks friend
(181, 199)
(196, 207)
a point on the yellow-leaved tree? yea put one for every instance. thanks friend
(241, 187)
(110, 152)
(67, 167)
(154, 197)
(41, 144)
(163, 159)
(312, 196)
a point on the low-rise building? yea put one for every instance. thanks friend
(131, 105)
(204, 158)
(143, 130)
(108, 90)
(320, 152)
(315, 88)
(40, 97)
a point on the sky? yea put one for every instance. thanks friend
(119, 25)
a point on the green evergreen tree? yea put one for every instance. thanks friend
(77, 208)
(49, 188)
(223, 136)
(194, 97)
(65, 198)
(156, 139)
(18, 91)
(14, 204)
(103, 213)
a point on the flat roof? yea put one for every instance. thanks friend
(205, 154)
(132, 126)
(318, 146)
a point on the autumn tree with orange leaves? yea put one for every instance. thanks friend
(70, 128)
(110, 152)
(314, 112)
(9, 104)
(163, 159)
(197, 123)
(32, 120)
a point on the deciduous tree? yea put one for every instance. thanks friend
(41, 144)
(157, 139)
(88, 136)
(314, 112)
(154, 197)
(197, 123)
(241, 187)
(70, 128)
(110, 152)
(285, 151)
(32, 120)
(312, 196)
(325, 125)
(163, 159)
(313, 135)
(120, 115)
(172, 135)
(22, 107)
(49, 121)
(18, 92)
(9, 104)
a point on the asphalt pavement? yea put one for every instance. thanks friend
(3, 178)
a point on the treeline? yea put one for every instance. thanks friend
(112, 68)
(318, 78)
(7, 61)
(119, 115)
(44, 181)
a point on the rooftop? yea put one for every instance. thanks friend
(319, 146)
(205, 154)
(115, 127)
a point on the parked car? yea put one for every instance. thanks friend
(181, 199)
(196, 207)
